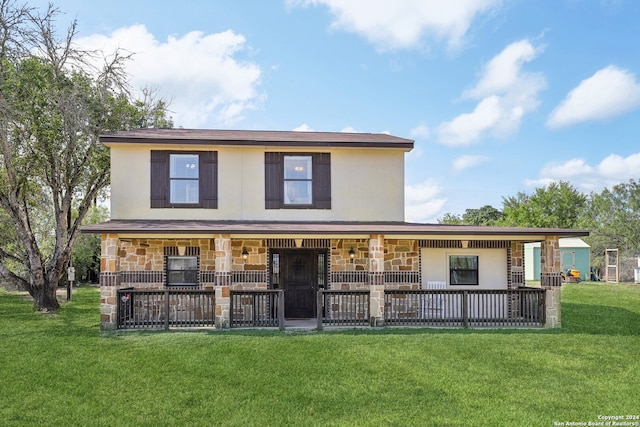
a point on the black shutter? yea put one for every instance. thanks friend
(273, 181)
(209, 179)
(322, 180)
(159, 179)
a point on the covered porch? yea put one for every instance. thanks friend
(170, 274)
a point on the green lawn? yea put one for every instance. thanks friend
(60, 370)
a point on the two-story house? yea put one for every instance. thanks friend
(314, 219)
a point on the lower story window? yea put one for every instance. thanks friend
(463, 269)
(182, 271)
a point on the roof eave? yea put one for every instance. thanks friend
(319, 229)
(108, 141)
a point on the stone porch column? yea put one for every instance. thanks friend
(517, 265)
(109, 282)
(376, 280)
(223, 264)
(550, 279)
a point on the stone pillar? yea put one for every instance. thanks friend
(224, 261)
(109, 282)
(376, 253)
(376, 280)
(517, 265)
(550, 279)
(223, 306)
(224, 258)
(552, 302)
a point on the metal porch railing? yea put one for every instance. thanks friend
(253, 308)
(465, 308)
(165, 308)
(343, 308)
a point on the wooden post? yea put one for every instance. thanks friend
(542, 298)
(465, 311)
(166, 309)
(281, 309)
(319, 310)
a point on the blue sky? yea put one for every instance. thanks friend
(500, 96)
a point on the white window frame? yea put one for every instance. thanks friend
(190, 194)
(298, 190)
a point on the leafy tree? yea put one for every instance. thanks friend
(486, 215)
(53, 107)
(613, 219)
(451, 219)
(558, 205)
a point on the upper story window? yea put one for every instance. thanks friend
(463, 270)
(182, 179)
(297, 180)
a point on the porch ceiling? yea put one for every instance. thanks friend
(326, 228)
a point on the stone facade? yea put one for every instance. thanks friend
(341, 259)
(149, 254)
(401, 255)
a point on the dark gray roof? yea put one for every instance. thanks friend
(257, 137)
(318, 228)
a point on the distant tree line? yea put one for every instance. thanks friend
(611, 216)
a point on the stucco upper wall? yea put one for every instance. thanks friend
(366, 185)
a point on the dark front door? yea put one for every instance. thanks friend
(299, 270)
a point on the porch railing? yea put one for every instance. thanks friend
(165, 308)
(468, 308)
(343, 308)
(263, 307)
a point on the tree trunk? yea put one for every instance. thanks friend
(44, 296)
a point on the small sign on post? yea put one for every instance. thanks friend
(71, 276)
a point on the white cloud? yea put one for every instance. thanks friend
(613, 169)
(620, 168)
(505, 93)
(304, 128)
(468, 161)
(504, 71)
(467, 127)
(423, 201)
(420, 132)
(569, 169)
(608, 93)
(391, 25)
(347, 129)
(198, 73)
